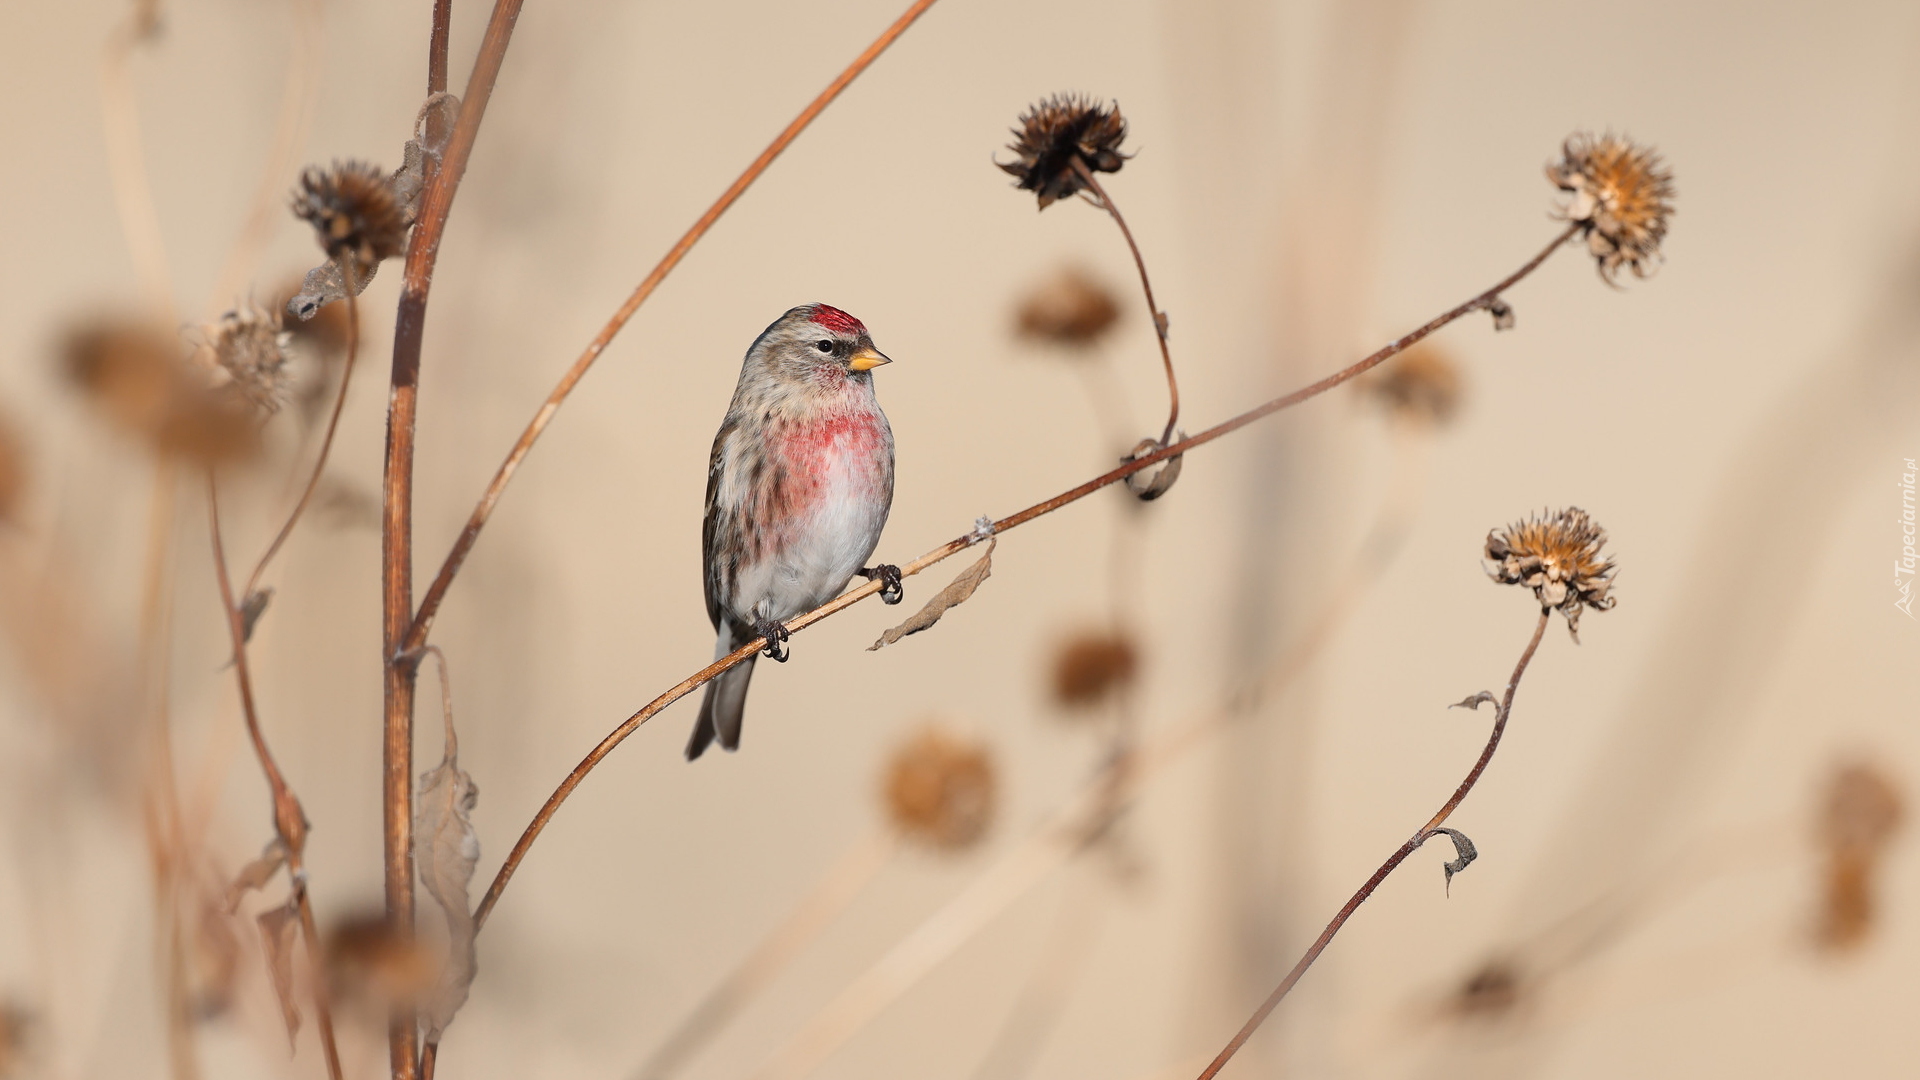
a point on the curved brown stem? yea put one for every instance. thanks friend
(437, 590)
(958, 544)
(1393, 861)
(1153, 309)
(289, 821)
(326, 440)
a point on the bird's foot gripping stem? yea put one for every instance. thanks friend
(776, 636)
(889, 577)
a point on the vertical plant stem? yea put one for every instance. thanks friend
(1153, 309)
(289, 821)
(326, 440)
(1393, 861)
(396, 534)
(437, 590)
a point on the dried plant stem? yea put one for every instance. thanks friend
(396, 534)
(1399, 856)
(289, 133)
(289, 821)
(836, 890)
(326, 440)
(958, 544)
(463, 545)
(126, 162)
(1105, 202)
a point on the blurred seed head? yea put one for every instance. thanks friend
(367, 964)
(1092, 666)
(1558, 557)
(1068, 309)
(1054, 134)
(1421, 386)
(139, 377)
(1860, 814)
(13, 471)
(1621, 195)
(16, 1026)
(251, 349)
(939, 789)
(1491, 991)
(356, 215)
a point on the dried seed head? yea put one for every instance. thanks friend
(1089, 667)
(1421, 385)
(13, 471)
(1491, 991)
(1862, 809)
(1621, 196)
(939, 789)
(355, 213)
(1070, 309)
(366, 963)
(251, 349)
(16, 1025)
(140, 377)
(1058, 132)
(1558, 557)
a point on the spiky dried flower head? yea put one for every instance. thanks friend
(1069, 309)
(356, 215)
(1056, 133)
(939, 789)
(250, 348)
(1422, 385)
(1859, 815)
(1620, 194)
(140, 377)
(1091, 666)
(1558, 557)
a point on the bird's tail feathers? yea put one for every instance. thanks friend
(724, 704)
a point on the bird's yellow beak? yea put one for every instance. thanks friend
(867, 359)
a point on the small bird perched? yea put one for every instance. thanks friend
(798, 488)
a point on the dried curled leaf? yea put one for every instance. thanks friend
(1463, 848)
(1474, 701)
(276, 940)
(952, 596)
(1152, 482)
(256, 874)
(254, 606)
(445, 850)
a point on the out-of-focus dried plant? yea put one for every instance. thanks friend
(1491, 991)
(1620, 194)
(1059, 139)
(368, 964)
(213, 957)
(1558, 557)
(1421, 386)
(140, 378)
(277, 927)
(250, 348)
(1858, 818)
(939, 789)
(1071, 309)
(15, 1026)
(1091, 666)
(13, 470)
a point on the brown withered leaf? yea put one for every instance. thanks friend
(213, 961)
(256, 874)
(446, 849)
(276, 939)
(952, 596)
(1474, 701)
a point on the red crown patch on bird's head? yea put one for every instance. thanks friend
(832, 318)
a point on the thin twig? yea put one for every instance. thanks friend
(1153, 309)
(958, 544)
(396, 534)
(326, 440)
(437, 590)
(836, 889)
(127, 164)
(1393, 861)
(289, 821)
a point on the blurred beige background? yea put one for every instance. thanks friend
(1311, 178)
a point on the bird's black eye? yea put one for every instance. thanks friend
(823, 345)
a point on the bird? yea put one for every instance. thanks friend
(799, 484)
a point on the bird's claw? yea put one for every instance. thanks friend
(889, 575)
(776, 636)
